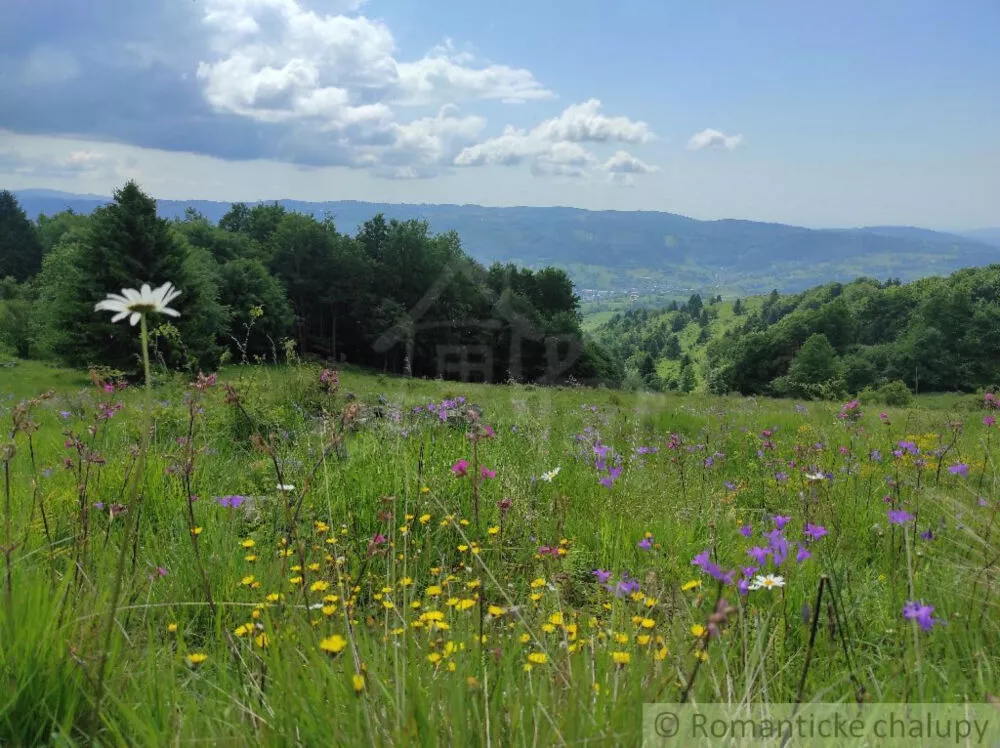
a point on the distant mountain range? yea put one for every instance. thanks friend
(651, 252)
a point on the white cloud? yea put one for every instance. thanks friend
(554, 146)
(335, 79)
(445, 75)
(709, 138)
(418, 148)
(300, 64)
(585, 123)
(625, 163)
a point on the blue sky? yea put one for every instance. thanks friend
(820, 114)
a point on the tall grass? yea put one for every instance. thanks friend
(367, 606)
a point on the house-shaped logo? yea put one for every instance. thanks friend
(466, 357)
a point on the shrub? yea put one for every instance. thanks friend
(894, 393)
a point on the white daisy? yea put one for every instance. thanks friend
(133, 304)
(815, 477)
(550, 476)
(286, 487)
(767, 582)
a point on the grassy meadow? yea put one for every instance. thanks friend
(296, 557)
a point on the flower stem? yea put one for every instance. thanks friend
(145, 354)
(131, 525)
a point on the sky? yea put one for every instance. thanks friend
(818, 114)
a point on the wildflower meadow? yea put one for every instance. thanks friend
(297, 555)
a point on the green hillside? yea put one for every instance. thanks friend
(932, 335)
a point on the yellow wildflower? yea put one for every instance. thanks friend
(333, 644)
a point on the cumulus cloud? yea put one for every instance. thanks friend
(585, 123)
(625, 163)
(444, 74)
(418, 149)
(310, 82)
(335, 67)
(336, 78)
(554, 146)
(709, 138)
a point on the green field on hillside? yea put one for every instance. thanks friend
(354, 559)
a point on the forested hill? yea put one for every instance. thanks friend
(649, 251)
(267, 284)
(931, 335)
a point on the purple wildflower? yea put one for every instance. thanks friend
(702, 559)
(802, 555)
(921, 613)
(726, 577)
(899, 516)
(646, 543)
(815, 532)
(746, 531)
(602, 575)
(758, 554)
(460, 468)
(779, 549)
(231, 502)
(959, 469)
(780, 521)
(626, 586)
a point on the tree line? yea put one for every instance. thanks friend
(393, 296)
(931, 335)
(643, 337)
